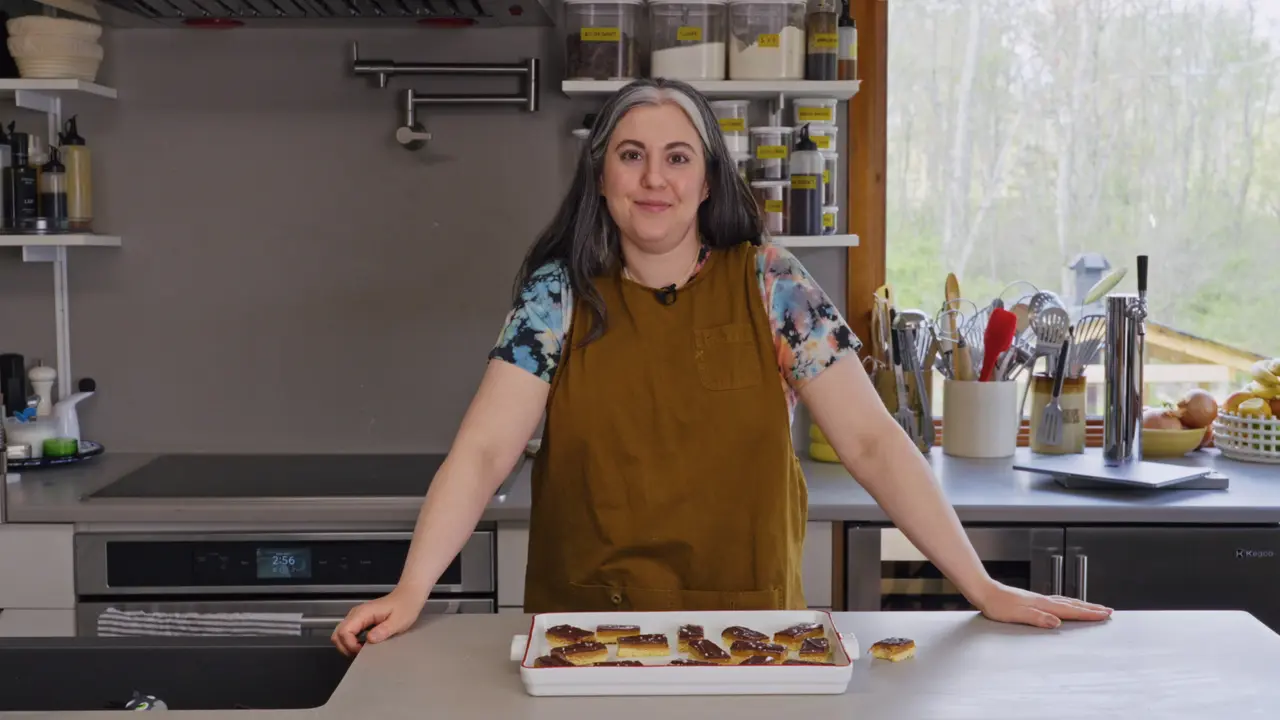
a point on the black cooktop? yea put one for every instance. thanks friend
(277, 476)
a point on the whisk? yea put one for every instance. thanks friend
(1089, 333)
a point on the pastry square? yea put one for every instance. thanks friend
(609, 634)
(583, 653)
(805, 662)
(894, 649)
(619, 663)
(562, 635)
(687, 633)
(652, 645)
(796, 634)
(815, 649)
(707, 651)
(551, 661)
(737, 632)
(742, 649)
(760, 660)
(682, 661)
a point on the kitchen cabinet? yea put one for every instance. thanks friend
(37, 567)
(37, 623)
(1177, 568)
(817, 564)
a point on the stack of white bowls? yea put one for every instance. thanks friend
(47, 47)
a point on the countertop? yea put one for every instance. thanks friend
(982, 491)
(1174, 665)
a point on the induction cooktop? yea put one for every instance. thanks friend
(277, 476)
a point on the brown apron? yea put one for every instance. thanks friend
(666, 478)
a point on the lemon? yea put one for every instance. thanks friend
(823, 452)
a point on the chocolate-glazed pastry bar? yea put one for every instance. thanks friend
(737, 632)
(687, 633)
(583, 653)
(609, 634)
(760, 660)
(619, 663)
(707, 651)
(562, 635)
(652, 645)
(796, 634)
(815, 649)
(551, 661)
(683, 661)
(743, 649)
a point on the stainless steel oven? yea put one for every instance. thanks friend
(885, 571)
(320, 575)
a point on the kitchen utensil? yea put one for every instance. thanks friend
(1086, 343)
(1051, 420)
(1073, 401)
(1042, 301)
(927, 433)
(997, 339)
(1023, 313)
(42, 378)
(1103, 286)
(952, 294)
(903, 414)
(1051, 327)
(980, 420)
(963, 362)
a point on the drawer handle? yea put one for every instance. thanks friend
(1055, 577)
(1082, 577)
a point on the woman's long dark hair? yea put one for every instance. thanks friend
(583, 234)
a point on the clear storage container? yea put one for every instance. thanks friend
(732, 115)
(766, 39)
(814, 110)
(825, 135)
(831, 177)
(688, 38)
(830, 216)
(822, 33)
(743, 163)
(771, 153)
(602, 40)
(773, 199)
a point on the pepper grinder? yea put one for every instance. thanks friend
(42, 379)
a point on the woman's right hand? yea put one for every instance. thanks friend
(384, 618)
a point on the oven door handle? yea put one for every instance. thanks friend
(452, 607)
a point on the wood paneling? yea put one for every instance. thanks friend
(866, 163)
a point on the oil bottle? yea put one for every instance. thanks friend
(75, 155)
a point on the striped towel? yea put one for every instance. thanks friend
(140, 623)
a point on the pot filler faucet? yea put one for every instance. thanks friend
(411, 134)
(1126, 340)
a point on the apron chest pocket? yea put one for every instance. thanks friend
(727, 357)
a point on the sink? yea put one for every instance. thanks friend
(90, 673)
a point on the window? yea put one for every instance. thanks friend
(1051, 141)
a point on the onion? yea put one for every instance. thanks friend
(1275, 407)
(1207, 441)
(1197, 409)
(1160, 419)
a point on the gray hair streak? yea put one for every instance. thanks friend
(583, 235)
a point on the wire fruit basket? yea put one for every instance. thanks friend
(1247, 439)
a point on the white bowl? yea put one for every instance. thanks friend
(53, 46)
(39, 24)
(58, 68)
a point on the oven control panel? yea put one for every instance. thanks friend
(267, 562)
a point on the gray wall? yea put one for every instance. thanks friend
(292, 280)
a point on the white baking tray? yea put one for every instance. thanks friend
(657, 677)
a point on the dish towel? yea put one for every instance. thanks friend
(140, 623)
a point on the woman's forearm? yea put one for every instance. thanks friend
(902, 482)
(458, 496)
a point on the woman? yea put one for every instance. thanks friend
(668, 347)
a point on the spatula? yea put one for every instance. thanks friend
(998, 337)
(1051, 419)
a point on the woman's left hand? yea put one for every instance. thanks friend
(1014, 605)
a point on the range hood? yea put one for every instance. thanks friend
(322, 13)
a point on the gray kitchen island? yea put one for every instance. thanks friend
(1149, 665)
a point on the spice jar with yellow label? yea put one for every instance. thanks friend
(770, 153)
(1074, 407)
(732, 117)
(772, 198)
(822, 34)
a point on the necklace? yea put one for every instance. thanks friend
(687, 274)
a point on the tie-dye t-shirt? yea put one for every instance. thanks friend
(809, 333)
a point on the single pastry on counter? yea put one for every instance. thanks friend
(652, 645)
(551, 661)
(583, 653)
(609, 634)
(894, 649)
(796, 634)
(815, 649)
(687, 633)
(562, 635)
(707, 651)
(742, 649)
(760, 660)
(619, 663)
(805, 662)
(683, 661)
(737, 632)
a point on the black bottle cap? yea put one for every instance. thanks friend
(70, 135)
(804, 142)
(54, 166)
(21, 144)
